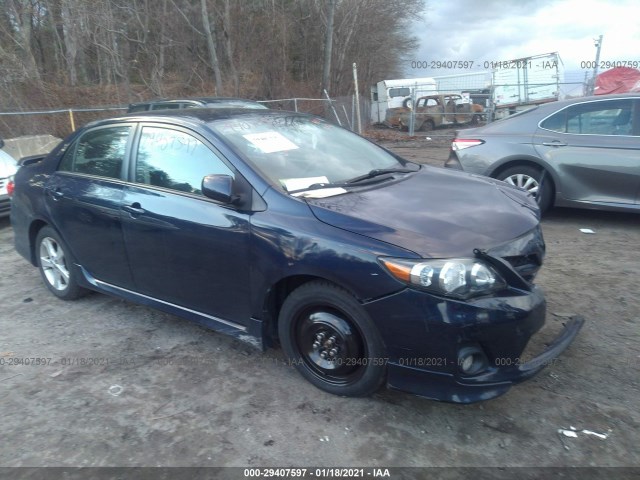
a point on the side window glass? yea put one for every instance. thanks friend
(165, 106)
(556, 122)
(98, 152)
(600, 118)
(399, 92)
(176, 160)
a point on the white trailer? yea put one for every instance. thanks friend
(393, 94)
(463, 82)
(524, 82)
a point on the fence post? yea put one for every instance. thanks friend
(346, 115)
(73, 123)
(412, 113)
(333, 109)
(295, 104)
(355, 82)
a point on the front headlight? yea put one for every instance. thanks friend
(454, 277)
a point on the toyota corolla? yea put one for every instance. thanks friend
(280, 228)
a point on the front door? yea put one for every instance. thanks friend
(184, 248)
(595, 149)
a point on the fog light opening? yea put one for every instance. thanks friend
(471, 360)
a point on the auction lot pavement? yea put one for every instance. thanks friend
(110, 383)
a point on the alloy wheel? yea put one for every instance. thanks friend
(53, 264)
(525, 182)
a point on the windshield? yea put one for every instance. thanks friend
(294, 151)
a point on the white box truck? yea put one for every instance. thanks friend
(524, 82)
(394, 93)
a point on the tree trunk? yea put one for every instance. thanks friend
(22, 13)
(328, 45)
(70, 41)
(211, 45)
(226, 25)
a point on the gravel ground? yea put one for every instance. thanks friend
(125, 385)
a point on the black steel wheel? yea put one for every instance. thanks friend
(331, 340)
(55, 266)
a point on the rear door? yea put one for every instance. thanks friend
(84, 196)
(594, 147)
(184, 248)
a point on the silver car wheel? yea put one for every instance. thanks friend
(525, 182)
(53, 264)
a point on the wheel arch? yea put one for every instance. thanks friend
(34, 229)
(527, 162)
(278, 293)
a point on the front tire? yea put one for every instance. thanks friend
(528, 178)
(55, 266)
(331, 340)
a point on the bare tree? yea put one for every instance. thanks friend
(211, 45)
(328, 47)
(66, 52)
(20, 14)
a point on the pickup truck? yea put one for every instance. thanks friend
(434, 111)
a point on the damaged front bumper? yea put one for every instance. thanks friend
(464, 352)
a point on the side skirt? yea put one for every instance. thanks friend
(251, 334)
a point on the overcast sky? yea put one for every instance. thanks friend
(494, 30)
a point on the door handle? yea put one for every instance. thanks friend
(555, 143)
(134, 209)
(54, 193)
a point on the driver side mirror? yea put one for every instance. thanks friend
(220, 189)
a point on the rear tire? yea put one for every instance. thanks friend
(55, 266)
(528, 178)
(427, 126)
(331, 340)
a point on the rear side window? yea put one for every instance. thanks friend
(176, 160)
(98, 152)
(399, 92)
(165, 106)
(612, 117)
(142, 107)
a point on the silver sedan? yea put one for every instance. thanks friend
(582, 153)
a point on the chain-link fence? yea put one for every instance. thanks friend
(455, 99)
(61, 122)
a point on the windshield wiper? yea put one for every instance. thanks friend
(318, 186)
(378, 172)
(350, 183)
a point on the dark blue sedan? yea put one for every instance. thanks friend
(277, 227)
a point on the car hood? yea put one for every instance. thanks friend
(434, 212)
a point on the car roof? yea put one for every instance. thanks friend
(614, 96)
(201, 100)
(191, 116)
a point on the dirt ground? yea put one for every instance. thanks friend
(125, 385)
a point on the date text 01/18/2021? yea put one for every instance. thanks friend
(321, 472)
(486, 64)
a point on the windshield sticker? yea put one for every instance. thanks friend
(321, 193)
(292, 184)
(270, 142)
